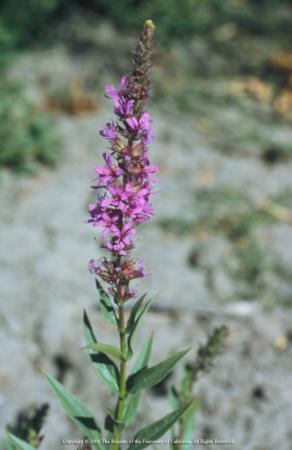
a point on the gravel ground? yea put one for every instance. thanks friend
(45, 285)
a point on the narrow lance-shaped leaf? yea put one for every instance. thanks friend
(103, 364)
(109, 350)
(156, 429)
(143, 357)
(149, 377)
(78, 413)
(132, 400)
(137, 312)
(106, 305)
(172, 396)
(136, 315)
(8, 444)
(188, 424)
(18, 443)
(134, 311)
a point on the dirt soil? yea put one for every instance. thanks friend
(218, 249)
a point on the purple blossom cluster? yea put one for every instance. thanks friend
(125, 184)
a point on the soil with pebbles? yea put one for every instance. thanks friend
(45, 285)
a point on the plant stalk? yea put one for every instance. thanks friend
(123, 375)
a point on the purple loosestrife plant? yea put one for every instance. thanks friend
(124, 188)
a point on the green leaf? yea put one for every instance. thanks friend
(146, 378)
(131, 403)
(103, 364)
(106, 305)
(8, 444)
(144, 355)
(156, 429)
(78, 413)
(188, 423)
(132, 400)
(172, 396)
(19, 443)
(135, 317)
(111, 423)
(109, 350)
(134, 312)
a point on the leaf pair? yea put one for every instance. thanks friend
(86, 423)
(109, 371)
(106, 368)
(108, 311)
(136, 314)
(141, 378)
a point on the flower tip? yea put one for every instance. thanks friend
(149, 24)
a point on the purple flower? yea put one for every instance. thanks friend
(124, 82)
(108, 173)
(145, 121)
(126, 178)
(122, 239)
(111, 90)
(93, 266)
(108, 222)
(120, 196)
(122, 105)
(95, 211)
(142, 126)
(125, 107)
(147, 136)
(133, 122)
(109, 131)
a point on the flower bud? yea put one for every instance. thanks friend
(118, 145)
(137, 151)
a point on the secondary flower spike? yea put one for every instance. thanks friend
(125, 181)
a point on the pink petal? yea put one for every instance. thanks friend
(133, 123)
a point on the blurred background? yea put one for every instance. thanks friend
(219, 248)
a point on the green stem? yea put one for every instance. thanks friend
(123, 375)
